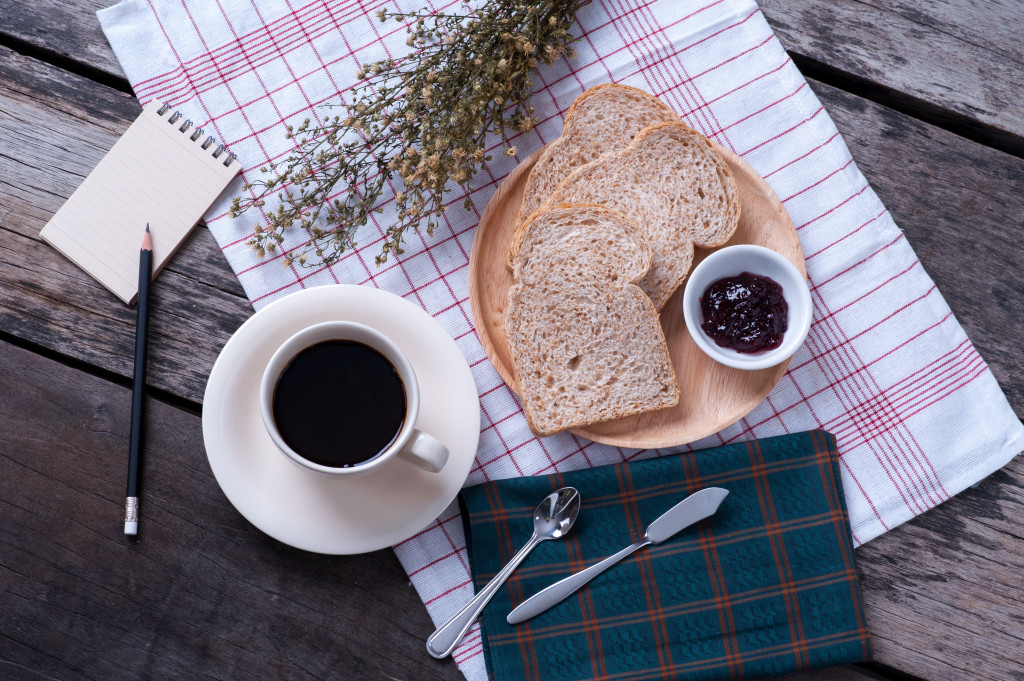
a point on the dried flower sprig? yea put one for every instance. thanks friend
(424, 118)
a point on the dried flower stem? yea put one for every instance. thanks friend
(424, 118)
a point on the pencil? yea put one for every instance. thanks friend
(131, 504)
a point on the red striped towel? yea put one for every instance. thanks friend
(886, 368)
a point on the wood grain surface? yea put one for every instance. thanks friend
(952, 62)
(48, 301)
(67, 32)
(712, 395)
(205, 595)
(201, 594)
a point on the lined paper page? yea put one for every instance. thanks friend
(154, 174)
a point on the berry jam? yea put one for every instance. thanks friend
(746, 313)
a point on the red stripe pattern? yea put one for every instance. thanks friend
(916, 412)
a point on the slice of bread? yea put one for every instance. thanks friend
(603, 119)
(672, 183)
(586, 343)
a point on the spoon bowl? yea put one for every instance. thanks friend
(556, 514)
(553, 519)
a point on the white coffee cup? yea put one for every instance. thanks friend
(410, 444)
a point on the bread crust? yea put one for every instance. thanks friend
(603, 252)
(675, 185)
(578, 141)
(580, 304)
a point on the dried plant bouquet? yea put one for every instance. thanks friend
(414, 125)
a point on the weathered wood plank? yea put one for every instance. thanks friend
(67, 29)
(942, 593)
(959, 204)
(964, 58)
(197, 301)
(202, 593)
(81, 120)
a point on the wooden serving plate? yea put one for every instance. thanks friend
(712, 395)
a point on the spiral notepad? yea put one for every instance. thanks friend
(162, 171)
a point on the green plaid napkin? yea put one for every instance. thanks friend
(767, 585)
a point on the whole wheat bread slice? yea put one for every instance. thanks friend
(603, 119)
(672, 183)
(586, 343)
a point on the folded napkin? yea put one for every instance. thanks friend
(886, 366)
(767, 585)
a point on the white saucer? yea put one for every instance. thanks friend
(347, 514)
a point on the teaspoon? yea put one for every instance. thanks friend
(552, 520)
(692, 509)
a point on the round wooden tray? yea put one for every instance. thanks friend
(712, 395)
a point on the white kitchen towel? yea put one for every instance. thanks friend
(886, 368)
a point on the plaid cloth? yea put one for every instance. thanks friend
(886, 367)
(767, 585)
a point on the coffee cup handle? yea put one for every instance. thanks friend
(425, 451)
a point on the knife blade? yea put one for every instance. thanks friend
(692, 509)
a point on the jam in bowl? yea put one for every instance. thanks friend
(747, 313)
(747, 307)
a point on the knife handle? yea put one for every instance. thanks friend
(560, 590)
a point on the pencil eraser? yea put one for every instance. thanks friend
(131, 527)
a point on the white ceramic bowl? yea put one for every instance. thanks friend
(729, 262)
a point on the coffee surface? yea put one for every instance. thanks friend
(339, 403)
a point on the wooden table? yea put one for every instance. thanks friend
(931, 103)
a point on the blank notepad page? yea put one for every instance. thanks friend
(158, 173)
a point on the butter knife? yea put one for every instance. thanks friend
(690, 510)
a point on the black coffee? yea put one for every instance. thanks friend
(339, 403)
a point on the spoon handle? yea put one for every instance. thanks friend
(443, 641)
(560, 590)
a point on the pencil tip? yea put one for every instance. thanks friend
(147, 240)
(147, 226)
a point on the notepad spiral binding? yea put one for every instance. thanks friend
(174, 117)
